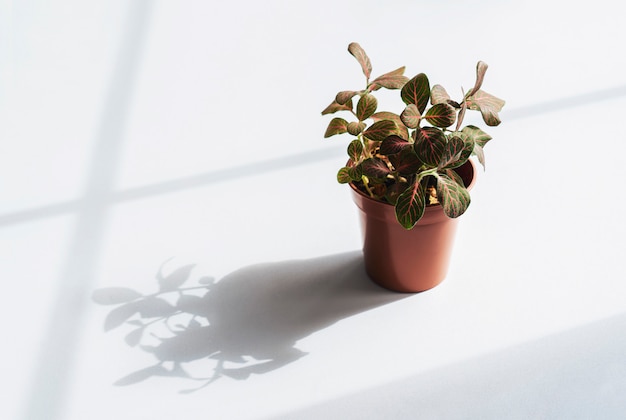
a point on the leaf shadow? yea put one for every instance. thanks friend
(248, 323)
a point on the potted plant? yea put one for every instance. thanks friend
(410, 172)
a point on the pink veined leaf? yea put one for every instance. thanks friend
(488, 105)
(336, 126)
(411, 116)
(441, 115)
(452, 153)
(453, 196)
(393, 144)
(360, 55)
(438, 95)
(375, 168)
(380, 130)
(392, 80)
(410, 206)
(366, 107)
(430, 145)
(343, 97)
(481, 69)
(335, 106)
(406, 162)
(416, 91)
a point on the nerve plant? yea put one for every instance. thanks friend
(408, 159)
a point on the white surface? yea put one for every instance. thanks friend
(145, 136)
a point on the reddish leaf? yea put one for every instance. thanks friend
(375, 168)
(392, 80)
(380, 130)
(411, 116)
(335, 106)
(401, 130)
(360, 55)
(393, 144)
(488, 105)
(430, 145)
(336, 126)
(438, 95)
(406, 162)
(343, 97)
(481, 69)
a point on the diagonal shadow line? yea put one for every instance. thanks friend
(565, 103)
(51, 377)
(285, 162)
(189, 182)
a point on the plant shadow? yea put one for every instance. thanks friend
(247, 323)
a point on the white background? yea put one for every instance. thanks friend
(144, 136)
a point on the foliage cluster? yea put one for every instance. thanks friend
(401, 158)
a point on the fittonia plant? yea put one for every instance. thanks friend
(401, 158)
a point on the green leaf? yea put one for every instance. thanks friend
(454, 198)
(411, 116)
(393, 144)
(406, 162)
(438, 95)
(343, 176)
(452, 153)
(384, 115)
(430, 145)
(487, 104)
(392, 80)
(335, 106)
(360, 55)
(343, 97)
(468, 148)
(416, 91)
(441, 115)
(355, 128)
(366, 107)
(410, 205)
(380, 130)
(355, 150)
(336, 126)
(478, 136)
(401, 130)
(375, 168)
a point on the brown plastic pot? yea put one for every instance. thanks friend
(408, 260)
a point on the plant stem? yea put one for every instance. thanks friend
(366, 185)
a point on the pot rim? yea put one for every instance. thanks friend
(381, 208)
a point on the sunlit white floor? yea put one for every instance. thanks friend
(173, 242)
